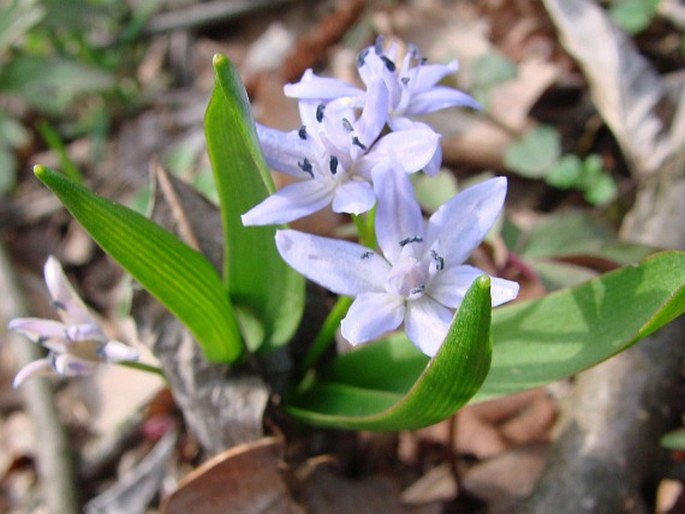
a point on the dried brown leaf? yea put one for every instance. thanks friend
(624, 87)
(243, 480)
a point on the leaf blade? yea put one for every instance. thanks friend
(434, 395)
(275, 292)
(178, 276)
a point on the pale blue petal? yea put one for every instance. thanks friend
(457, 228)
(376, 68)
(66, 302)
(341, 266)
(71, 366)
(353, 197)
(86, 332)
(398, 215)
(426, 322)
(38, 328)
(372, 315)
(450, 285)
(430, 74)
(433, 167)
(313, 87)
(37, 368)
(438, 98)
(292, 202)
(374, 115)
(412, 149)
(284, 150)
(114, 351)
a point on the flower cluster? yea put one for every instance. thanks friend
(77, 344)
(353, 151)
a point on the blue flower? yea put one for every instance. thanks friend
(412, 88)
(419, 276)
(333, 155)
(77, 344)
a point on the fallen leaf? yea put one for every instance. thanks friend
(242, 480)
(624, 87)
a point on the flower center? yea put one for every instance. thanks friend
(409, 278)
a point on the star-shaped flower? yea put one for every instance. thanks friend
(77, 344)
(333, 155)
(412, 86)
(419, 277)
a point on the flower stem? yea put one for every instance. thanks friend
(143, 367)
(325, 336)
(365, 228)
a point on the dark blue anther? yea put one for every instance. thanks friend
(356, 142)
(58, 306)
(333, 164)
(319, 112)
(302, 132)
(388, 63)
(306, 166)
(417, 290)
(347, 126)
(378, 45)
(361, 58)
(439, 261)
(411, 239)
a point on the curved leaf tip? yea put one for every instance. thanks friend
(361, 390)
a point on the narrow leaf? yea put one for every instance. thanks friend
(178, 276)
(440, 386)
(258, 280)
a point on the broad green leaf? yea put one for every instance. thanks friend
(578, 233)
(570, 232)
(540, 341)
(534, 342)
(557, 275)
(535, 153)
(569, 247)
(254, 273)
(178, 276)
(432, 391)
(51, 84)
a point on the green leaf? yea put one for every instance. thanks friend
(254, 273)
(566, 173)
(489, 70)
(633, 16)
(557, 275)
(51, 84)
(569, 232)
(16, 19)
(534, 343)
(569, 247)
(602, 190)
(432, 192)
(674, 440)
(535, 153)
(349, 395)
(178, 276)
(540, 341)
